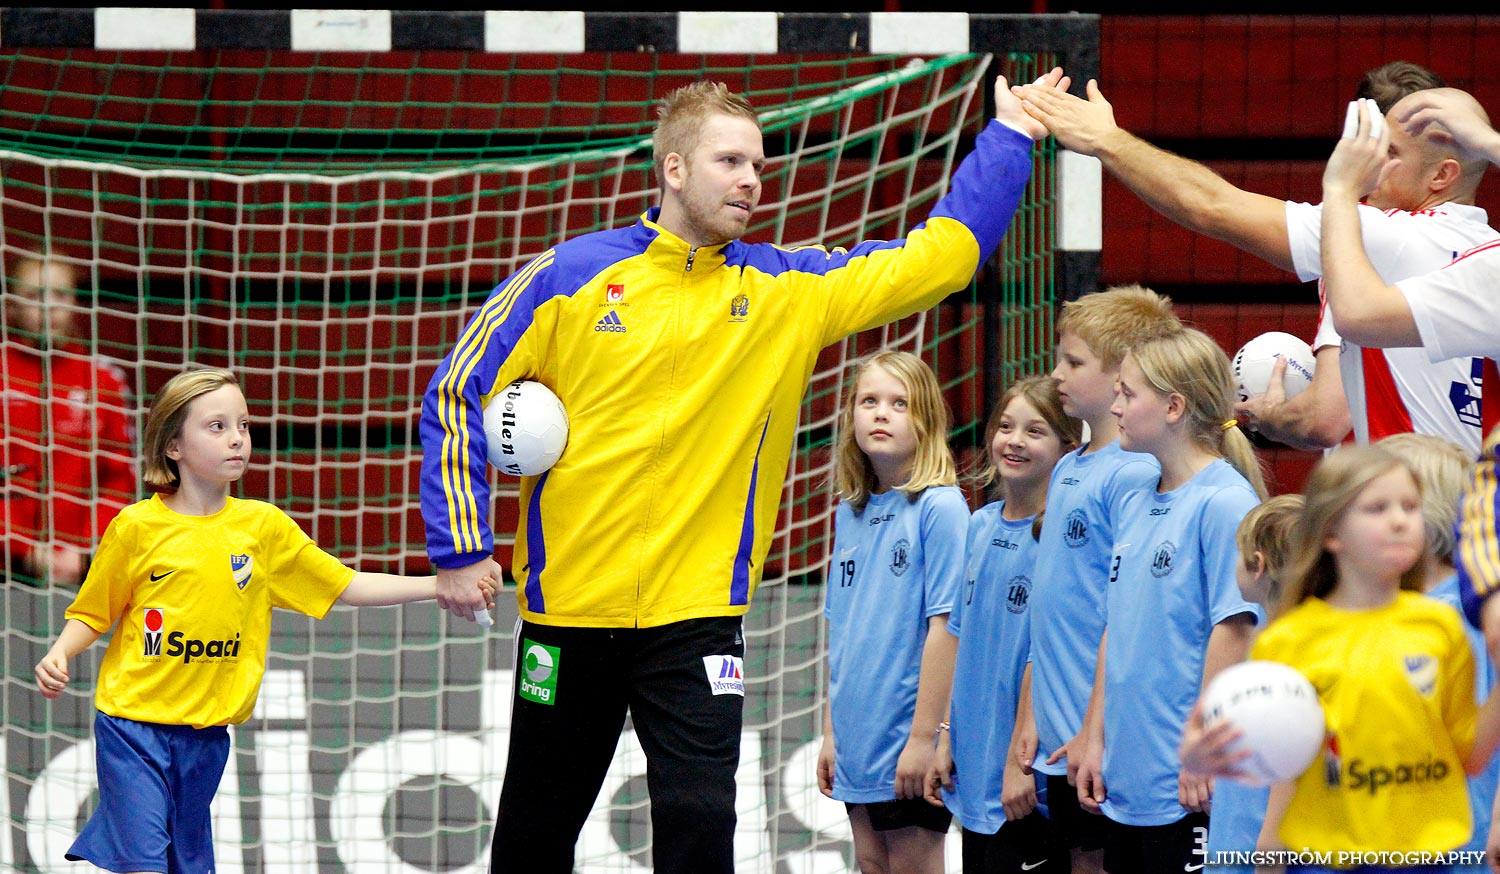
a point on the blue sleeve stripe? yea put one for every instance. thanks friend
(453, 410)
(1479, 551)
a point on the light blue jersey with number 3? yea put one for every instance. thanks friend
(895, 565)
(1172, 582)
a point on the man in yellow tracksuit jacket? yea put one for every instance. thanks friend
(682, 355)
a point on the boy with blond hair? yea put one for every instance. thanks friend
(1077, 540)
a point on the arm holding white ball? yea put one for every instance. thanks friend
(1318, 418)
(1288, 394)
(526, 430)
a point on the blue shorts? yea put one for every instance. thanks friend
(155, 785)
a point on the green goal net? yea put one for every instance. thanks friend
(324, 224)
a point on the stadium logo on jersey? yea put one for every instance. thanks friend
(1020, 591)
(726, 674)
(152, 620)
(1076, 529)
(1422, 673)
(241, 566)
(610, 324)
(739, 308)
(900, 557)
(1163, 558)
(614, 292)
(539, 666)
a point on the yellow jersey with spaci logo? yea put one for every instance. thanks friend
(682, 370)
(1397, 688)
(190, 598)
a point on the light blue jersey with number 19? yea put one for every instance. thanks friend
(895, 565)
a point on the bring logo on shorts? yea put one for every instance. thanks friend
(539, 666)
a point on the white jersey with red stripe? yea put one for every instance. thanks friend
(1392, 391)
(1457, 308)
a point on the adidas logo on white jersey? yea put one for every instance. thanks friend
(610, 324)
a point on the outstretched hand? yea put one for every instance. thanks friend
(1008, 106)
(1079, 125)
(1362, 153)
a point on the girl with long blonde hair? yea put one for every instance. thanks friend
(1174, 615)
(896, 574)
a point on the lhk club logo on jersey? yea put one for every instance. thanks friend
(900, 557)
(1076, 529)
(1018, 594)
(1164, 559)
(242, 566)
(152, 620)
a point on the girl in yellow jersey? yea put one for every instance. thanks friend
(1393, 671)
(191, 575)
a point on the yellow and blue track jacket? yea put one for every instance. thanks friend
(682, 371)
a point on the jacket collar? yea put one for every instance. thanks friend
(672, 252)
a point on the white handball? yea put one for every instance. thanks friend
(526, 428)
(1277, 712)
(1252, 365)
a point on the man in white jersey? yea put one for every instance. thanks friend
(1450, 312)
(1420, 217)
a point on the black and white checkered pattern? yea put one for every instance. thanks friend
(378, 30)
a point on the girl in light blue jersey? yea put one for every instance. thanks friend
(1002, 808)
(897, 571)
(1174, 616)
